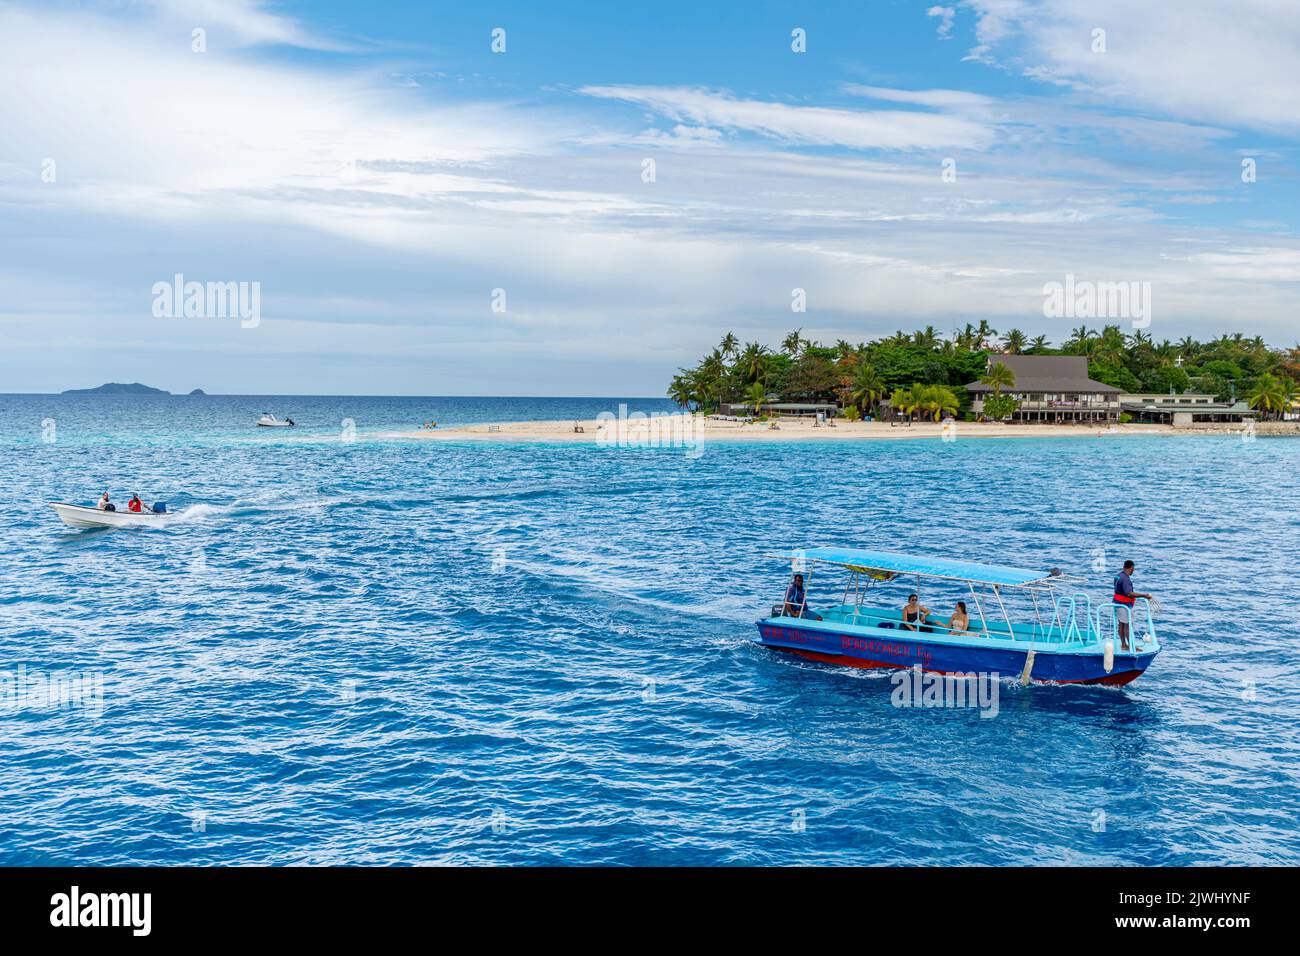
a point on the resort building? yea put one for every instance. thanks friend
(1052, 389)
(1184, 410)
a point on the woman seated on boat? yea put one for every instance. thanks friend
(105, 504)
(914, 613)
(959, 623)
(135, 504)
(796, 602)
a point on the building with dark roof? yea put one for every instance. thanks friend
(1052, 389)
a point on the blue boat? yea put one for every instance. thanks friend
(1065, 640)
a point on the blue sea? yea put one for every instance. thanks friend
(386, 651)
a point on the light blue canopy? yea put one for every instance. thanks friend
(921, 565)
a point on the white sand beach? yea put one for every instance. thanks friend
(646, 431)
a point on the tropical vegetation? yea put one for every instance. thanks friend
(900, 367)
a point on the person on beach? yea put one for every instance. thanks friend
(104, 504)
(959, 623)
(914, 613)
(1124, 598)
(796, 601)
(135, 505)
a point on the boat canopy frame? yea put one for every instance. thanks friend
(880, 567)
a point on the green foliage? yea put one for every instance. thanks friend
(1116, 375)
(999, 377)
(1165, 377)
(1272, 395)
(861, 375)
(998, 407)
(930, 401)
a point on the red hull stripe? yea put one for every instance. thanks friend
(1112, 679)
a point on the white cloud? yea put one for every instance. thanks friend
(378, 217)
(945, 15)
(243, 22)
(938, 99)
(1232, 63)
(813, 125)
(1252, 263)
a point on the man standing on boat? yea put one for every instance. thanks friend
(1124, 597)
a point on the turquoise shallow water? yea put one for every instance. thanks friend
(386, 651)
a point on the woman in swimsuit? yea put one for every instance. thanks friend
(959, 623)
(913, 613)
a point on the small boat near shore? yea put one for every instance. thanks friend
(270, 421)
(80, 516)
(1067, 641)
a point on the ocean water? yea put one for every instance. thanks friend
(388, 651)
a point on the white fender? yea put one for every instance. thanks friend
(1029, 667)
(1108, 654)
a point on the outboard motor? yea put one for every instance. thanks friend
(160, 507)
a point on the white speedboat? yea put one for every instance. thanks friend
(270, 421)
(80, 516)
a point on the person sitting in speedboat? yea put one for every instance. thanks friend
(914, 613)
(796, 601)
(104, 504)
(135, 505)
(959, 623)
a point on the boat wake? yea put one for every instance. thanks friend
(268, 503)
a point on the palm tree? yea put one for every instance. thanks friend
(682, 390)
(1111, 346)
(927, 338)
(905, 400)
(1039, 345)
(753, 362)
(729, 345)
(1080, 339)
(867, 387)
(712, 372)
(1271, 395)
(999, 377)
(755, 397)
(793, 343)
(1014, 342)
(937, 400)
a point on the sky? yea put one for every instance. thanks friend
(423, 214)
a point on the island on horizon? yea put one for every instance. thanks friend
(117, 388)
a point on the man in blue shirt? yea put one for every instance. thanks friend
(1124, 598)
(796, 600)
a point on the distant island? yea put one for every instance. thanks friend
(117, 388)
(198, 391)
